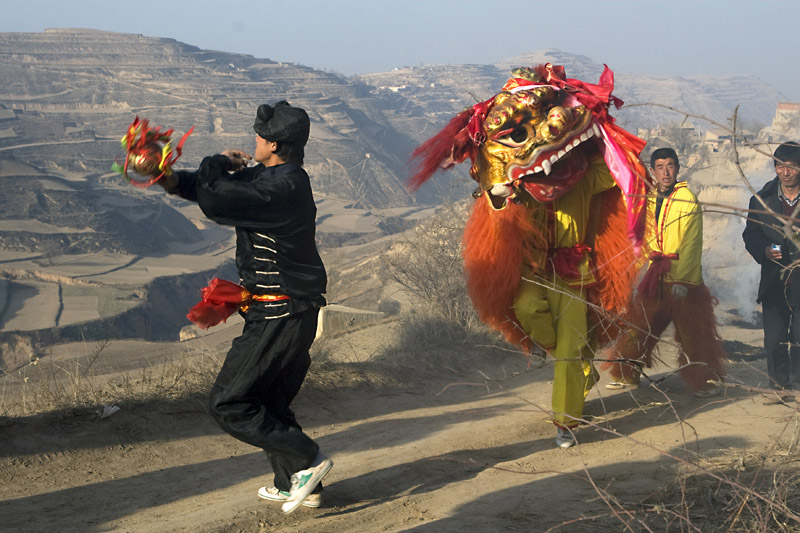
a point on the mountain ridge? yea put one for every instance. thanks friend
(67, 95)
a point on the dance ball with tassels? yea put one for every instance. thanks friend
(146, 163)
(148, 153)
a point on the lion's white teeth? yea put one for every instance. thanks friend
(547, 164)
(501, 190)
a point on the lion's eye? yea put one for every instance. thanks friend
(519, 135)
(514, 136)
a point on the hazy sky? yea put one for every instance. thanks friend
(674, 37)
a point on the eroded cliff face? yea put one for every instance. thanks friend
(154, 311)
(54, 216)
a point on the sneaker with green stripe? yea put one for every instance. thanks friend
(274, 494)
(305, 481)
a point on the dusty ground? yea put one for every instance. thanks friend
(420, 443)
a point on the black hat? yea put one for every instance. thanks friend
(282, 123)
(788, 152)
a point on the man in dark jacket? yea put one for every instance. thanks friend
(272, 208)
(765, 237)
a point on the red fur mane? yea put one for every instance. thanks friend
(450, 146)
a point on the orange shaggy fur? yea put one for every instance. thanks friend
(614, 254)
(498, 243)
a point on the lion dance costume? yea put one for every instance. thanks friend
(550, 247)
(674, 242)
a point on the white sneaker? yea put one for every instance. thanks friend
(273, 494)
(709, 393)
(622, 385)
(565, 438)
(304, 482)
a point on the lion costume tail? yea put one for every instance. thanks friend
(702, 356)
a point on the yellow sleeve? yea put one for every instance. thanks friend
(600, 178)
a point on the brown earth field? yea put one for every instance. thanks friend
(449, 439)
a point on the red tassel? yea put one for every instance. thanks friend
(445, 149)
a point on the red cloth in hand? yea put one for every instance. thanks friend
(221, 299)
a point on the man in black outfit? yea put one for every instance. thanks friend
(272, 208)
(779, 289)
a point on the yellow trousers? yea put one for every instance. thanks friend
(554, 315)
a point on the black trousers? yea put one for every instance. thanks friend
(260, 377)
(781, 341)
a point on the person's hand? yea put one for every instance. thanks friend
(238, 159)
(168, 182)
(679, 292)
(772, 254)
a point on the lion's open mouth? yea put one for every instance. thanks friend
(542, 161)
(551, 172)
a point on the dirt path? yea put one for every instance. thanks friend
(443, 451)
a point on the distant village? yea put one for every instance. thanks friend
(785, 126)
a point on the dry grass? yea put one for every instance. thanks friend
(755, 493)
(46, 385)
(427, 263)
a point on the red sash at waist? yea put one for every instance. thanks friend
(221, 299)
(566, 262)
(659, 266)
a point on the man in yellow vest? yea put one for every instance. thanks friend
(672, 290)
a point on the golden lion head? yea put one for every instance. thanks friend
(531, 134)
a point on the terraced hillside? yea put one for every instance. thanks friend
(440, 91)
(67, 97)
